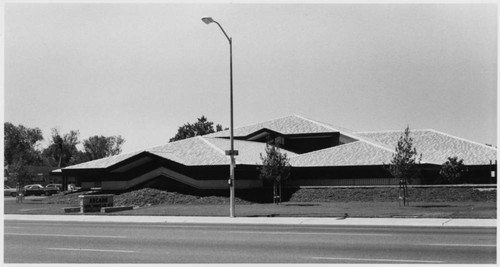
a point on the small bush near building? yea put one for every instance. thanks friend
(452, 171)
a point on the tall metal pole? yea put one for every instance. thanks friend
(231, 169)
(231, 152)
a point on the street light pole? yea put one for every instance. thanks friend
(231, 152)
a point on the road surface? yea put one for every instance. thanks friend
(89, 242)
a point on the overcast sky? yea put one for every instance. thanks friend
(143, 70)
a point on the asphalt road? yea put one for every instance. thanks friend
(84, 242)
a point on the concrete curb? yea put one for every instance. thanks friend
(423, 222)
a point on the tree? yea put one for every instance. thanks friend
(201, 127)
(275, 168)
(20, 150)
(80, 157)
(62, 148)
(453, 171)
(218, 128)
(97, 147)
(405, 164)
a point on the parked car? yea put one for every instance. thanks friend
(54, 186)
(33, 189)
(9, 191)
(38, 190)
(34, 186)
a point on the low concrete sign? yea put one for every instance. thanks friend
(93, 203)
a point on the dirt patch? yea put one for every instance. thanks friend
(417, 194)
(149, 197)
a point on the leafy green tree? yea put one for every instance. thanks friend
(275, 168)
(20, 151)
(201, 127)
(62, 148)
(405, 163)
(453, 171)
(97, 147)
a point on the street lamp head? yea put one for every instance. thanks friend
(207, 20)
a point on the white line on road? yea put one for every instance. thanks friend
(32, 209)
(303, 233)
(60, 235)
(372, 260)
(29, 224)
(92, 250)
(462, 245)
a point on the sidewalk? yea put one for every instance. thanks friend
(424, 222)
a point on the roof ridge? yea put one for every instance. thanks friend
(247, 125)
(372, 142)
(317, 122)
(168, 144)
(128, 154)
(390, 131)
(215, 147)
(278, 118)
(327, 125)
(171, 143)
(463, 139)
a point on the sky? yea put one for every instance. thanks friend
(141, 70)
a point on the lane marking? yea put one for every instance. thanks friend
(55, 224)
(462, 245)
(61, 235)
(32, 209)
(299, 233)
(383, 260)
(197, 225)
(92, 250)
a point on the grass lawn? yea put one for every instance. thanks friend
(462, 209)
